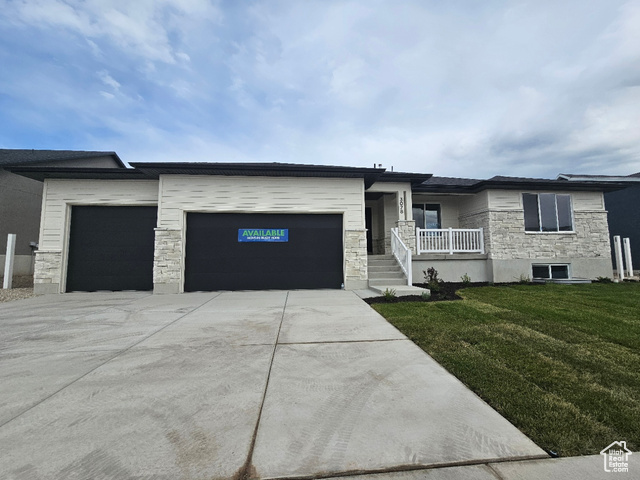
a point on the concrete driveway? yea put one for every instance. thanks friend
(269, 384)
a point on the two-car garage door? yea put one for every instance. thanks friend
(111, 248)
(226, 251)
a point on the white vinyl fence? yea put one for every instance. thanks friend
(450, 240)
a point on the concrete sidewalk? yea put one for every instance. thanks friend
(571, 468)
(271, 384)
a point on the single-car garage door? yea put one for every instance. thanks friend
(227, 251)
(111, 248)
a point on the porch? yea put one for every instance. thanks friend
(420, 231)
(452, 252)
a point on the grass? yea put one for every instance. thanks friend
(561, 362)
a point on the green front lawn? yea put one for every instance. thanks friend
(561, 362)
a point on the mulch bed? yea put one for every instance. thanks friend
(447, 292)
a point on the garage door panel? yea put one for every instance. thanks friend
(215, 259)
(111, 248)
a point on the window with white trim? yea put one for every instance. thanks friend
(550, 271)
(547, 212)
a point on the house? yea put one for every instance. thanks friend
(179, 227)
(21, 198)
(624, 220)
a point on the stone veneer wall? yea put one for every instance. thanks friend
(355, 249)
(167, 261)
(387, 243)
(407, 233)
(48, 272)
(511, 251)
(480, 220)
(508, 240)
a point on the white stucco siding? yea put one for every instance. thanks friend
(199, 193)
(472, 204)
(587, 201)
(391, 214)
(505, 200)
(59, 194)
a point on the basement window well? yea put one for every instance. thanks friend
(550, 271)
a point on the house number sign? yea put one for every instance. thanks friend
(401, 206)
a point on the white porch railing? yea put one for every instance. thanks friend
(450, 240)
(402, 254)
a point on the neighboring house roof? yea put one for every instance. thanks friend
(9, 157)
(600, 178)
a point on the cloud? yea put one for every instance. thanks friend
(108, 80)
(470, 89)
(141, 27)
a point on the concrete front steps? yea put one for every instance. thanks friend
(385, 273)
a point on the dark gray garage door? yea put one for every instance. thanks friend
(238, 251)
(111, 248)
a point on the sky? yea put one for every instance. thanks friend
(459, 88)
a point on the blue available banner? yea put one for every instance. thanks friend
(263, 235)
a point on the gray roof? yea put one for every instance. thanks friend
(470, 185)
(502, 178)
(9, 157)
(451, 181)
(419, 182)
(568, 176)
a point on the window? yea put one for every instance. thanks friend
(550, 271)
(427, 215)
(547, 212)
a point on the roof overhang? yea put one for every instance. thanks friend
(42, 173)
(146, 171)
(369, 175)
(404, 177)
(555, 185)
(149, 171)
